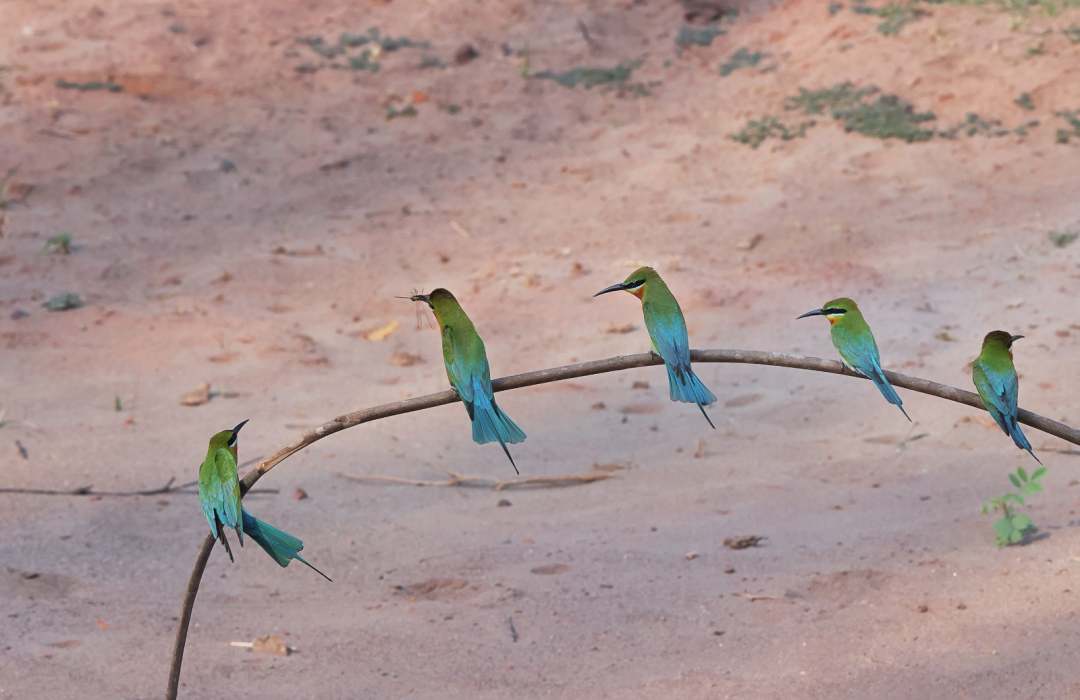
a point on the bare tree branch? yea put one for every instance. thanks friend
(555, 374)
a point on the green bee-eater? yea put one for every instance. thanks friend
(667, 330)
(852, 337)
(995, 378)
(219, 492)
(470, 376)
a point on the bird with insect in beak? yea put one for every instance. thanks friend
(469, 373)
(667, 331)
(995, 379)
(219, 492)
(852, 337)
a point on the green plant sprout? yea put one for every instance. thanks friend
(1012, 526)
(60, 243)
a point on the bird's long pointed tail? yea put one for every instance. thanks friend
(280, 545)
(882, 383)
(702, 409)
(686, 386)
(490, 424)
(1020, 440)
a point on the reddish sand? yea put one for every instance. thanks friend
(241, 223)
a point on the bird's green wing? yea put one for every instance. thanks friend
(219, 489)
(209, 492)
(995, 388)
(857, 347)
(667, 330)
(457, 370)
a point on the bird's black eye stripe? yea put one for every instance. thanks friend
(834, 311)
(232, 439)
(635, 284)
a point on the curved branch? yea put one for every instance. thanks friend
(185, 615)
(582, 369)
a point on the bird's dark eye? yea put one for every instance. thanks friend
(834, 311)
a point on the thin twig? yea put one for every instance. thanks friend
(513, 630)
(88, 490)
(167, 490)
(594, 46)
(753, 598)
(583, 369)
(481, 482)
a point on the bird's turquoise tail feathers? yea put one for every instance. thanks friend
(280, 545)
(877, 376)
(490, 424)
(1018, 437)
(686, 386)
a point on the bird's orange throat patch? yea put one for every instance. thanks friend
(639, 291)
(833, 319)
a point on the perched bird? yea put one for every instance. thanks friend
(219, 492)
(852, 337)
(995, 378)
(470, 376)
(667, 330)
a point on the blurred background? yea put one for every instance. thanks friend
(206, 213)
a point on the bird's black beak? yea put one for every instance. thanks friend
(426, 298)
(815, 312)
(1014, 338)
(238, 426)
(620, 287)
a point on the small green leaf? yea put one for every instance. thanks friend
(60, 243)
(1013, 497)
(1039, 473)
(1021, 522)
(1003, 528)
(1032, 487)
(1023, 474)
(1015, 537)
(1014, 480)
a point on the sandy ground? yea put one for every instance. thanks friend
(242, 223)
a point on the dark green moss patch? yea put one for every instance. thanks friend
(827, 100)
(64, 302)
(616, 77)
(690, 35)
(1062, 239)
(741, 59)
(1072, 130)
(887, 117)
(894, 15)
(757, 131)
(92, 86)
(355, 51)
